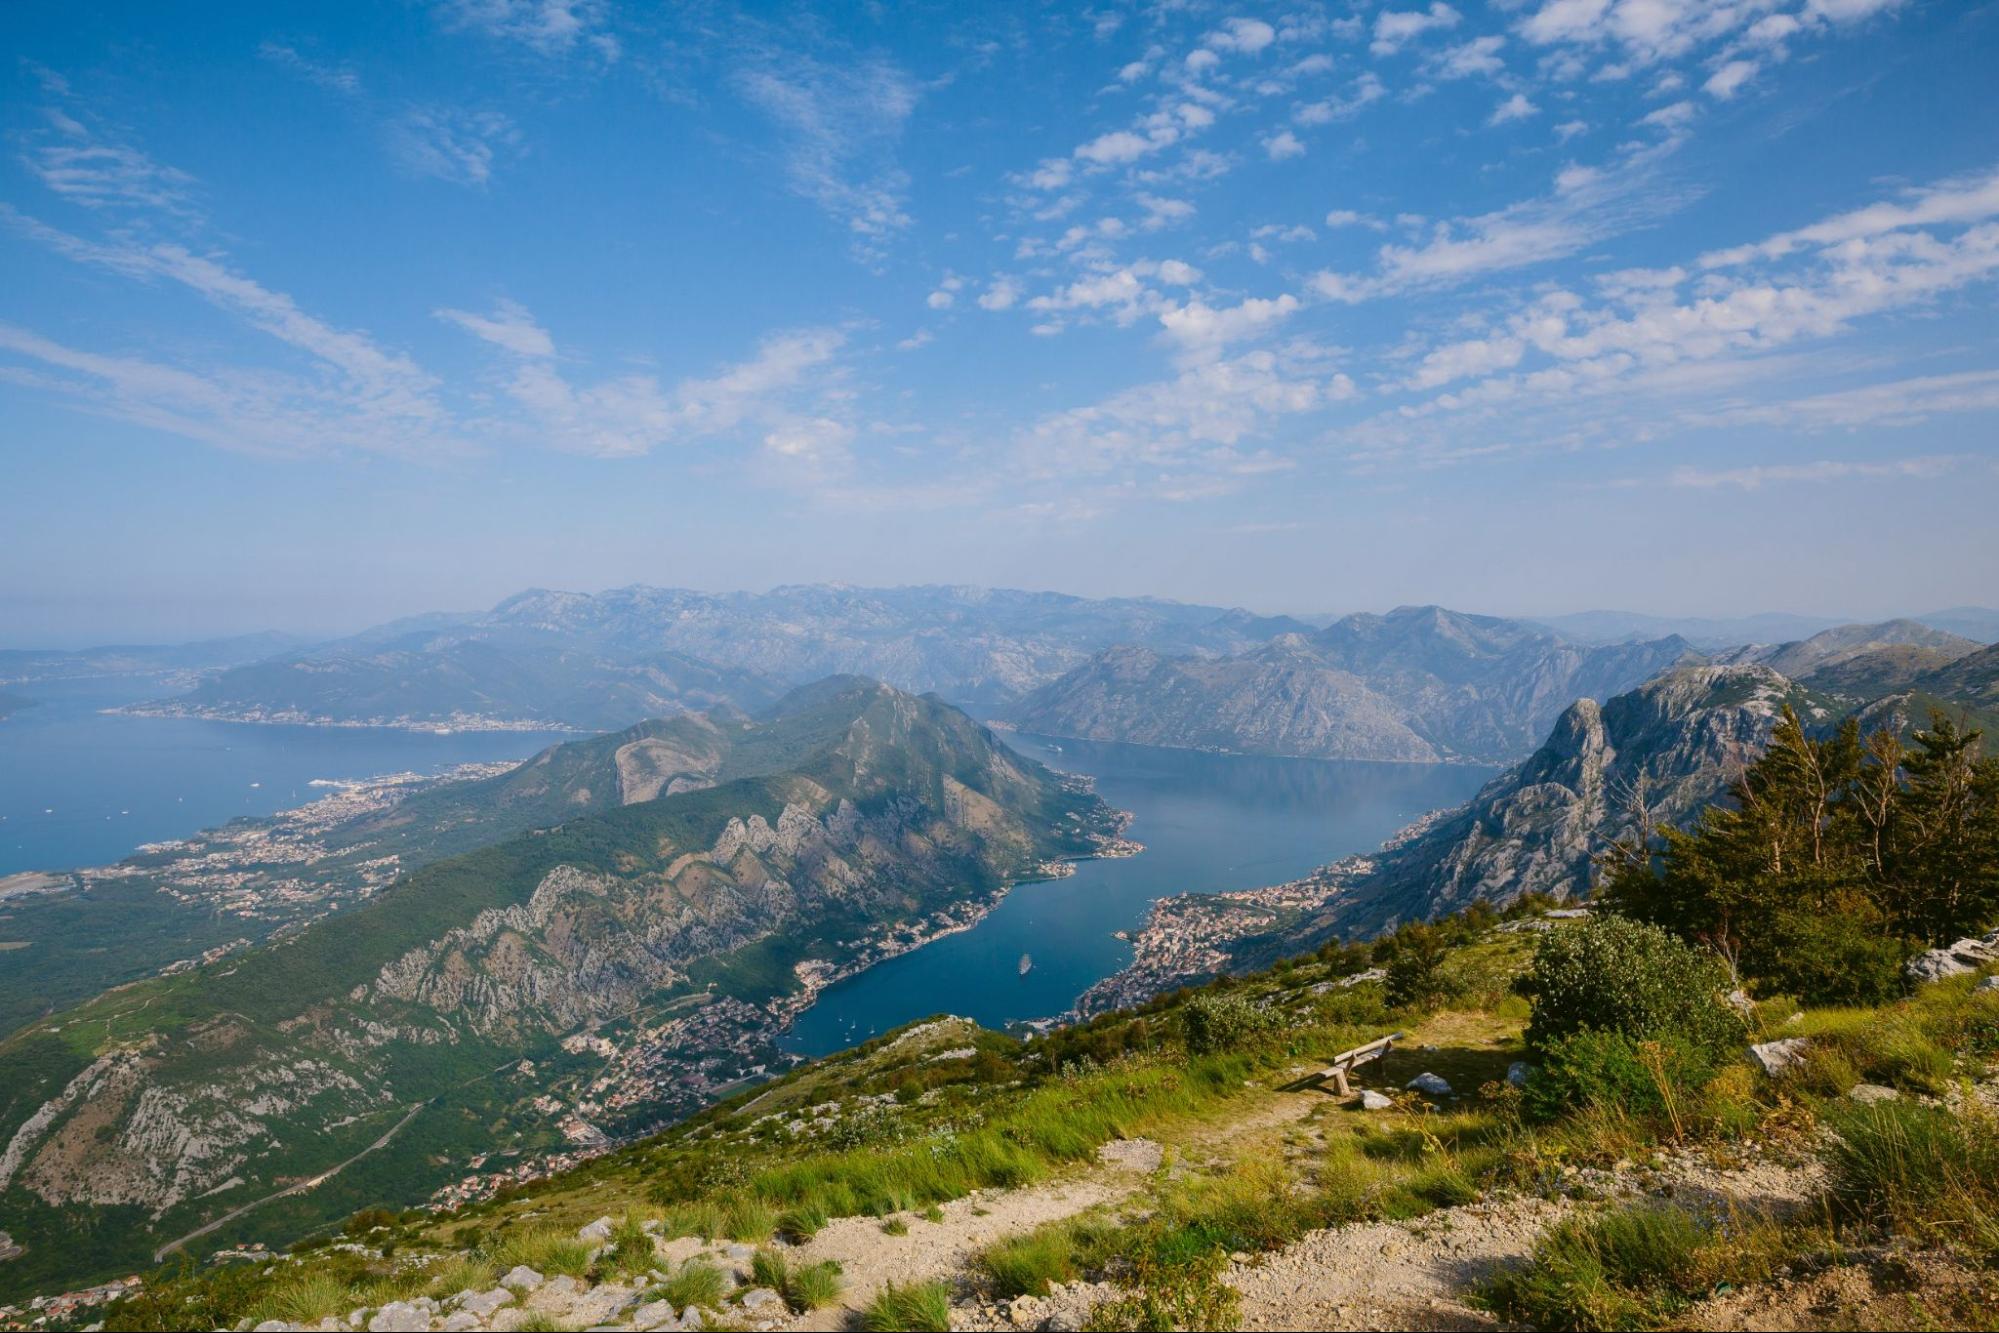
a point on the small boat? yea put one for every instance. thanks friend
(1026, 964)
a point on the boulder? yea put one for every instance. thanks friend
(596, 1233)
(1516, 1074)
(1868, 1094)
(1370, 1100)
(272, 1326)
(654, 1314)
(1954, 960)
(461, 1321)
(522, 1278)
(1990, 983)
(483, 1303)
(691, 1318)
(1429, 1084)
(599, 1304)
(762, 1300)
(1774, 1057)
(400, 1317)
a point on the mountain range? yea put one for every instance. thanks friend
(703, 877)
(589, 662)
(1419, 684)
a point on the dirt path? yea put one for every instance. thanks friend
(870, 1258)
(1389, 1274)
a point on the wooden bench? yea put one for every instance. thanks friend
(1347, 1061)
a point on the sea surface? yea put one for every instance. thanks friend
(1209, 823)
(81, 787)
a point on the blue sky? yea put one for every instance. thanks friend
(314, 315)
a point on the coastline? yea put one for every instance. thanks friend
(293, 718)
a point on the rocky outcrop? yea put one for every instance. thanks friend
(1650, 757)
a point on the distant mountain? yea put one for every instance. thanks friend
(1420, 683)
(23, 665)
(446, 680)
(609, 659)
(470, 1008)
(1973, 622)
(1702, 631)
(1841, 644)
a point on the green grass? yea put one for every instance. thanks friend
(803, 1286)
(1618, 1270)
(1917, 1169)
(920, 1307)
(548, 1250)
(694, 1283)
(307, 1298)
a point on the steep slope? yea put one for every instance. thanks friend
(235, 886)
(587, 979)
(1421, 683)
(449, 680)
(1653, 756)
(1280, 700)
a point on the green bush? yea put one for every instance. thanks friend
(1845, 954)
(1613, 1071)
(1613, 975)
(1219, 1023)
(1417, 977)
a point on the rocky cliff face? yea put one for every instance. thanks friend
(1650, 757)
(1421, 684)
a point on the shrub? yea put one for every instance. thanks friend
(1219, 1023)
(1614, 975)
(1612, 1071)
(1416, 975)
(918, 1306)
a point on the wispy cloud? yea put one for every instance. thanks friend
(546, 27)
(840, 124)
(1816, 472)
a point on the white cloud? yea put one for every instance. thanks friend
(1727, 81)
(1241, 36)
(1161, 212)
(549, 27)
(1200, 327)
(1896, 403)
(1367, 89)
(1003, 294)
(1395, 29)
(1120, 146)
(1479, 56)
(1283, 144)
(1957, 200)
(509, 326)
(1516, 107)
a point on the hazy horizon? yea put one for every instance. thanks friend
(309, 323)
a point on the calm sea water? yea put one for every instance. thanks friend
(79, 787)
(1208, 822)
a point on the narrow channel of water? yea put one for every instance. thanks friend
(1209, 823)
